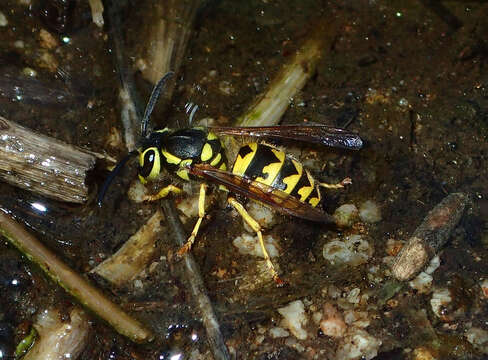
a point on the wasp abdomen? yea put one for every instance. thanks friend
(271, 166)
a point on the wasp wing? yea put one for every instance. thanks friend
(281, 201)
(313, 133)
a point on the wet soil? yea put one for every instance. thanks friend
(409, 77)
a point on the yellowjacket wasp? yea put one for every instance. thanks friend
(260, 171)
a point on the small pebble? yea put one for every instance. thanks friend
(262, 214)
(422, 283)
(249, 245)
(3, 19)
(479, 338)
(439, 301)
(484, 288)
(358, 345)
(294, 318)
(332, 323)
(278, 332)
(353, 296)
(369, 212)
(353, 251)
(47, 40)
(30, 72)
(346, 215)
(423, 353)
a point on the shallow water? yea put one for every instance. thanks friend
(411, 79)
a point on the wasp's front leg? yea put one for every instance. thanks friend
(163, 193)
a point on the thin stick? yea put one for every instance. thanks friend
(73, 283)
(197, 287)
(130, 102)
(270, 107)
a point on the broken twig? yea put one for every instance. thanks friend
(71, 281)
(197, 287)
(429, 237)
(42, 164)
(134, 255)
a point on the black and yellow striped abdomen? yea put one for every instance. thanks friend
(271, 166)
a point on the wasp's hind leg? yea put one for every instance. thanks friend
(343, 183)
(201, 214)
(163, 193)
(257, 228)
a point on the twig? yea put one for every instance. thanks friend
(73, 283)
(270, 107)
(429, 237)
(60, 339)
(197, 287)
(128, 94)
(96, 7)
(43, 164)
(134, 255)
(167, 29)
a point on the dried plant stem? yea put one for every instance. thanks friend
(168, 29)
(128, 95)
(429, 237)
(60, 339)
(43, 164)
(96, 7)
(270, 107)
(134, 255)
(197, 287)
(71, 281)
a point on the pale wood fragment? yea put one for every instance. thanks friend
(42, 164)
(135, 255)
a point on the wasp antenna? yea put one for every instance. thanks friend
(115, 171)
(152, 101)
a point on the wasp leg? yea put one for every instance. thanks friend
(346, 181)
(163, 193)
(201, 214)
(257, 228)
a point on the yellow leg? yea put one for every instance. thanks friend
(257, 228)
(346, 181)
(163, 193)
(201, 213)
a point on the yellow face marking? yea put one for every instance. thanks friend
(216, 159)
(241, 163)
(142, 180)
(206, 152)
(154, 159)
(170, 158)
(292, 180)
(183, 172)
(211, 136)
(305, 191)
(272, 169)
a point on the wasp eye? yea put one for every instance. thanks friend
(147, 163)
